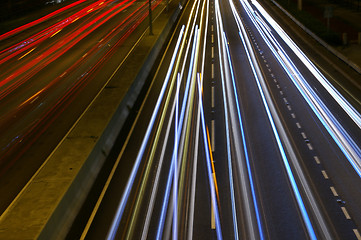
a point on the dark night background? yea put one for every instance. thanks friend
(14, 13)
(10, 9)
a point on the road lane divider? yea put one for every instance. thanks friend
(302, 193)
(254, 229)
(342, 138)
(121, 207)
(211, 177)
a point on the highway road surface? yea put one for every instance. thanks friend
(240, 136)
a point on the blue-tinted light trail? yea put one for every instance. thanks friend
(341, 137)
(208, 161)
(180, 127)
(291, 177)
(121, 207)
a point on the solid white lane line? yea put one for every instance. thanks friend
(333, 190)
(345, 213)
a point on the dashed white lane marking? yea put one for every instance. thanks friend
(212, 73)
(345, 213)
(212, 100)
(213, 137)
(213, 218)
(281, 92)
(303, 135)
(309, 145)
(324, 174)
(358, 236)
(333, 190)
(298, 124)
(289, 107)
(62, 75)
(293, 115)
(284, 99)
(317, 160)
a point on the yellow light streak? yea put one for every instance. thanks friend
(26, 54)
(212, 164)
(32, 98)
(75, 19)
(55, 33)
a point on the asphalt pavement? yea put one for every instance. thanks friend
(29, 212)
